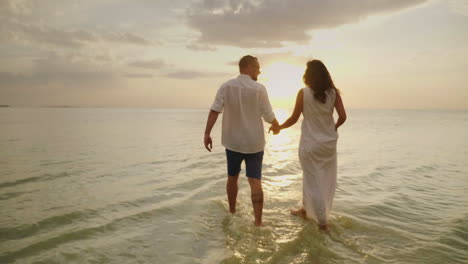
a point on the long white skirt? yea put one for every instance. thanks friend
(319, 180)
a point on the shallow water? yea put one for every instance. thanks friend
(84, 185)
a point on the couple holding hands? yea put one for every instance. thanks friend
(244, 102)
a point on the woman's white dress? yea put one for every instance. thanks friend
(317, 154)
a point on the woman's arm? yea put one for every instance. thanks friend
(297, 111)
(340, 110)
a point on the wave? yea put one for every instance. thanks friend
(39, 178)
(80, 225)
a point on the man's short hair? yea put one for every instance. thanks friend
(246, 61)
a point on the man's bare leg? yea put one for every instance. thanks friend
(257, 199)
(231, 190)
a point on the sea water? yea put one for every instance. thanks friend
(108, 185)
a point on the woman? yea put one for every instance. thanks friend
(317, 148)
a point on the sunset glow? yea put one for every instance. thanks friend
(283, 81)
(177, 53)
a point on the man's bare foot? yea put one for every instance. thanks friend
(258, 224)
(233, 211)
(301, 212)
(324, 227)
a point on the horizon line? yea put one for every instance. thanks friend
(207, 108)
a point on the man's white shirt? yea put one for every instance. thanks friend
(245, 102)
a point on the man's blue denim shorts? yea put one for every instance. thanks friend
(253, 163)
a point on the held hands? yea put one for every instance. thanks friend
(208, 142)
(275, 128)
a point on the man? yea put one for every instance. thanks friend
(245, 103)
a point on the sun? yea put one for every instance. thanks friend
(282, 81)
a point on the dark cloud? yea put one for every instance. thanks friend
(186, 74)
(261, 23)
(151, 64)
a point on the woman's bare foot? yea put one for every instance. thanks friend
(301, 212)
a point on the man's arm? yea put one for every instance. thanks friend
(212, 117)
(265, 107)
(267, 112)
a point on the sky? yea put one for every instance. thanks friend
(409, 54)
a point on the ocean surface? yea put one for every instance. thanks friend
(103, 185)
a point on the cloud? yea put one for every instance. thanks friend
(152, 64)
(57, 69)
(36, 33)
(125, 37)
(261, 23)
(458, 6)
(139, 75)
(272, 57)
(201, 47)
(186, 74)
(32, 34)
(232, 63)
(10, 8)
(103, 57)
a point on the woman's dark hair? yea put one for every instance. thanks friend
(317, 78)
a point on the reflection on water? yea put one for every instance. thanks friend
(378, 193)
(282, 148)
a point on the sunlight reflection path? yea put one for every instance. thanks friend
(282, 163)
